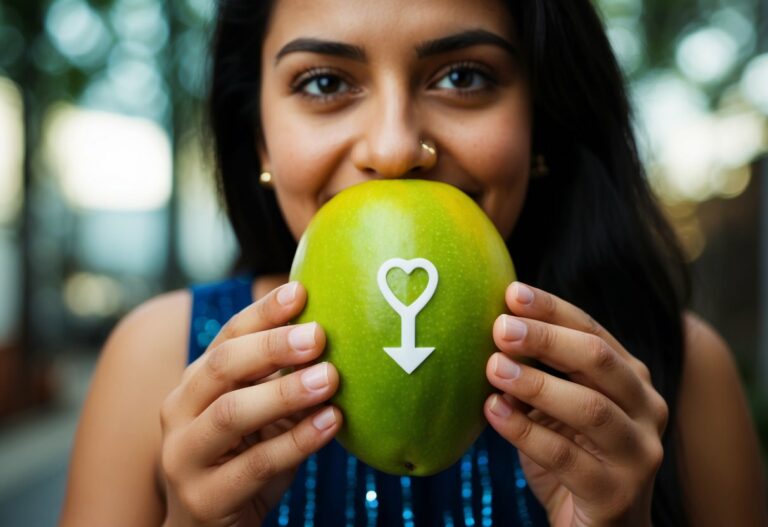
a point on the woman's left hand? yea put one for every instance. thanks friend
(590, 444)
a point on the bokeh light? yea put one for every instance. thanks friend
(106, 161)
(707, 55)
(12, 148)
(78, 31)
(754, 83)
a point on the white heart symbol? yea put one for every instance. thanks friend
(408, 356)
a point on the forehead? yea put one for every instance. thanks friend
(387, 24)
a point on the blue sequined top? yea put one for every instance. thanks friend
(333, 488)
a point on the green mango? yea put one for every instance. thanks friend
(419, 422)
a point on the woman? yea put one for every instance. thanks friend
(636, 420)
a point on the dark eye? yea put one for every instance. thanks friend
(323, 85)
(463, 78)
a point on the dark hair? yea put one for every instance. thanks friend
(590, 232)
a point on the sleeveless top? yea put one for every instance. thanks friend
(334, 488)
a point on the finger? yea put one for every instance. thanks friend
(237, 414)
(242, 477)
(530, 302)
(276, 308)
(585, 357)
(583, 409)
(244, 359)
(577, 469)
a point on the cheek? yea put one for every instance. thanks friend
(298, 156)
(502, 147)
(302, 158)
(498, 155)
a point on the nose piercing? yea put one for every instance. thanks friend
(429, 147)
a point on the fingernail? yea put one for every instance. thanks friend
(500, 407)
(514, 329)
(302, 337)
(325, 419)
(287, 293)
(505, 367)
(523, 293)
(316, 377)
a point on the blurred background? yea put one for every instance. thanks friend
(107, 197)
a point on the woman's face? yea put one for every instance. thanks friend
(349, 89)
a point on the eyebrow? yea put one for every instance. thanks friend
(429, 48)
(465, 39)
(324, 47)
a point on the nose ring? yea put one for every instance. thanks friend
(429, 147)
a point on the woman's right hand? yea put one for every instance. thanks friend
(235, 430)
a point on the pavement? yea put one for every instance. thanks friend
(35, 448)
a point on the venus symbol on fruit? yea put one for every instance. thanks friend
(408, 356)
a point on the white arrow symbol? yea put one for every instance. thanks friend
(408, 356)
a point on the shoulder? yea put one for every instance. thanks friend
(720, 453)
(160, 325)
(150, 341)
(113, 470)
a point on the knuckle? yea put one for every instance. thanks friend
(655, 453)
(593, 327)
(229, 329)
(603, 357)
(217, 363)
(546, 337)
(195, 503)
(549, 305)
(563, 457)
(661, 410)
(167, 410)
(224, 413)
(598, 411)
(276, 343)
(301, 443)
(170, 462)
(260, 466)
(642, 370)
(285, 391)
(535, 387)
(269, 309)
(524, 431)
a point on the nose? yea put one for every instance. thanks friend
(392, 144)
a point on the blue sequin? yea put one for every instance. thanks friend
(405, 484)
(466, 486)
(285, 509)
(485, 482)
(522, 506)
(371, 496)
(349, 512)
(310, 485)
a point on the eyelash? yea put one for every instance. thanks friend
(474, 68)
(304, 78)
(312, 74)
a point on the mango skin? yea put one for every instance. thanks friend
(422, 423)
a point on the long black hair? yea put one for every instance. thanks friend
(590, 232)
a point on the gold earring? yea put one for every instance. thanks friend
(539, 168)
(266, 180)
